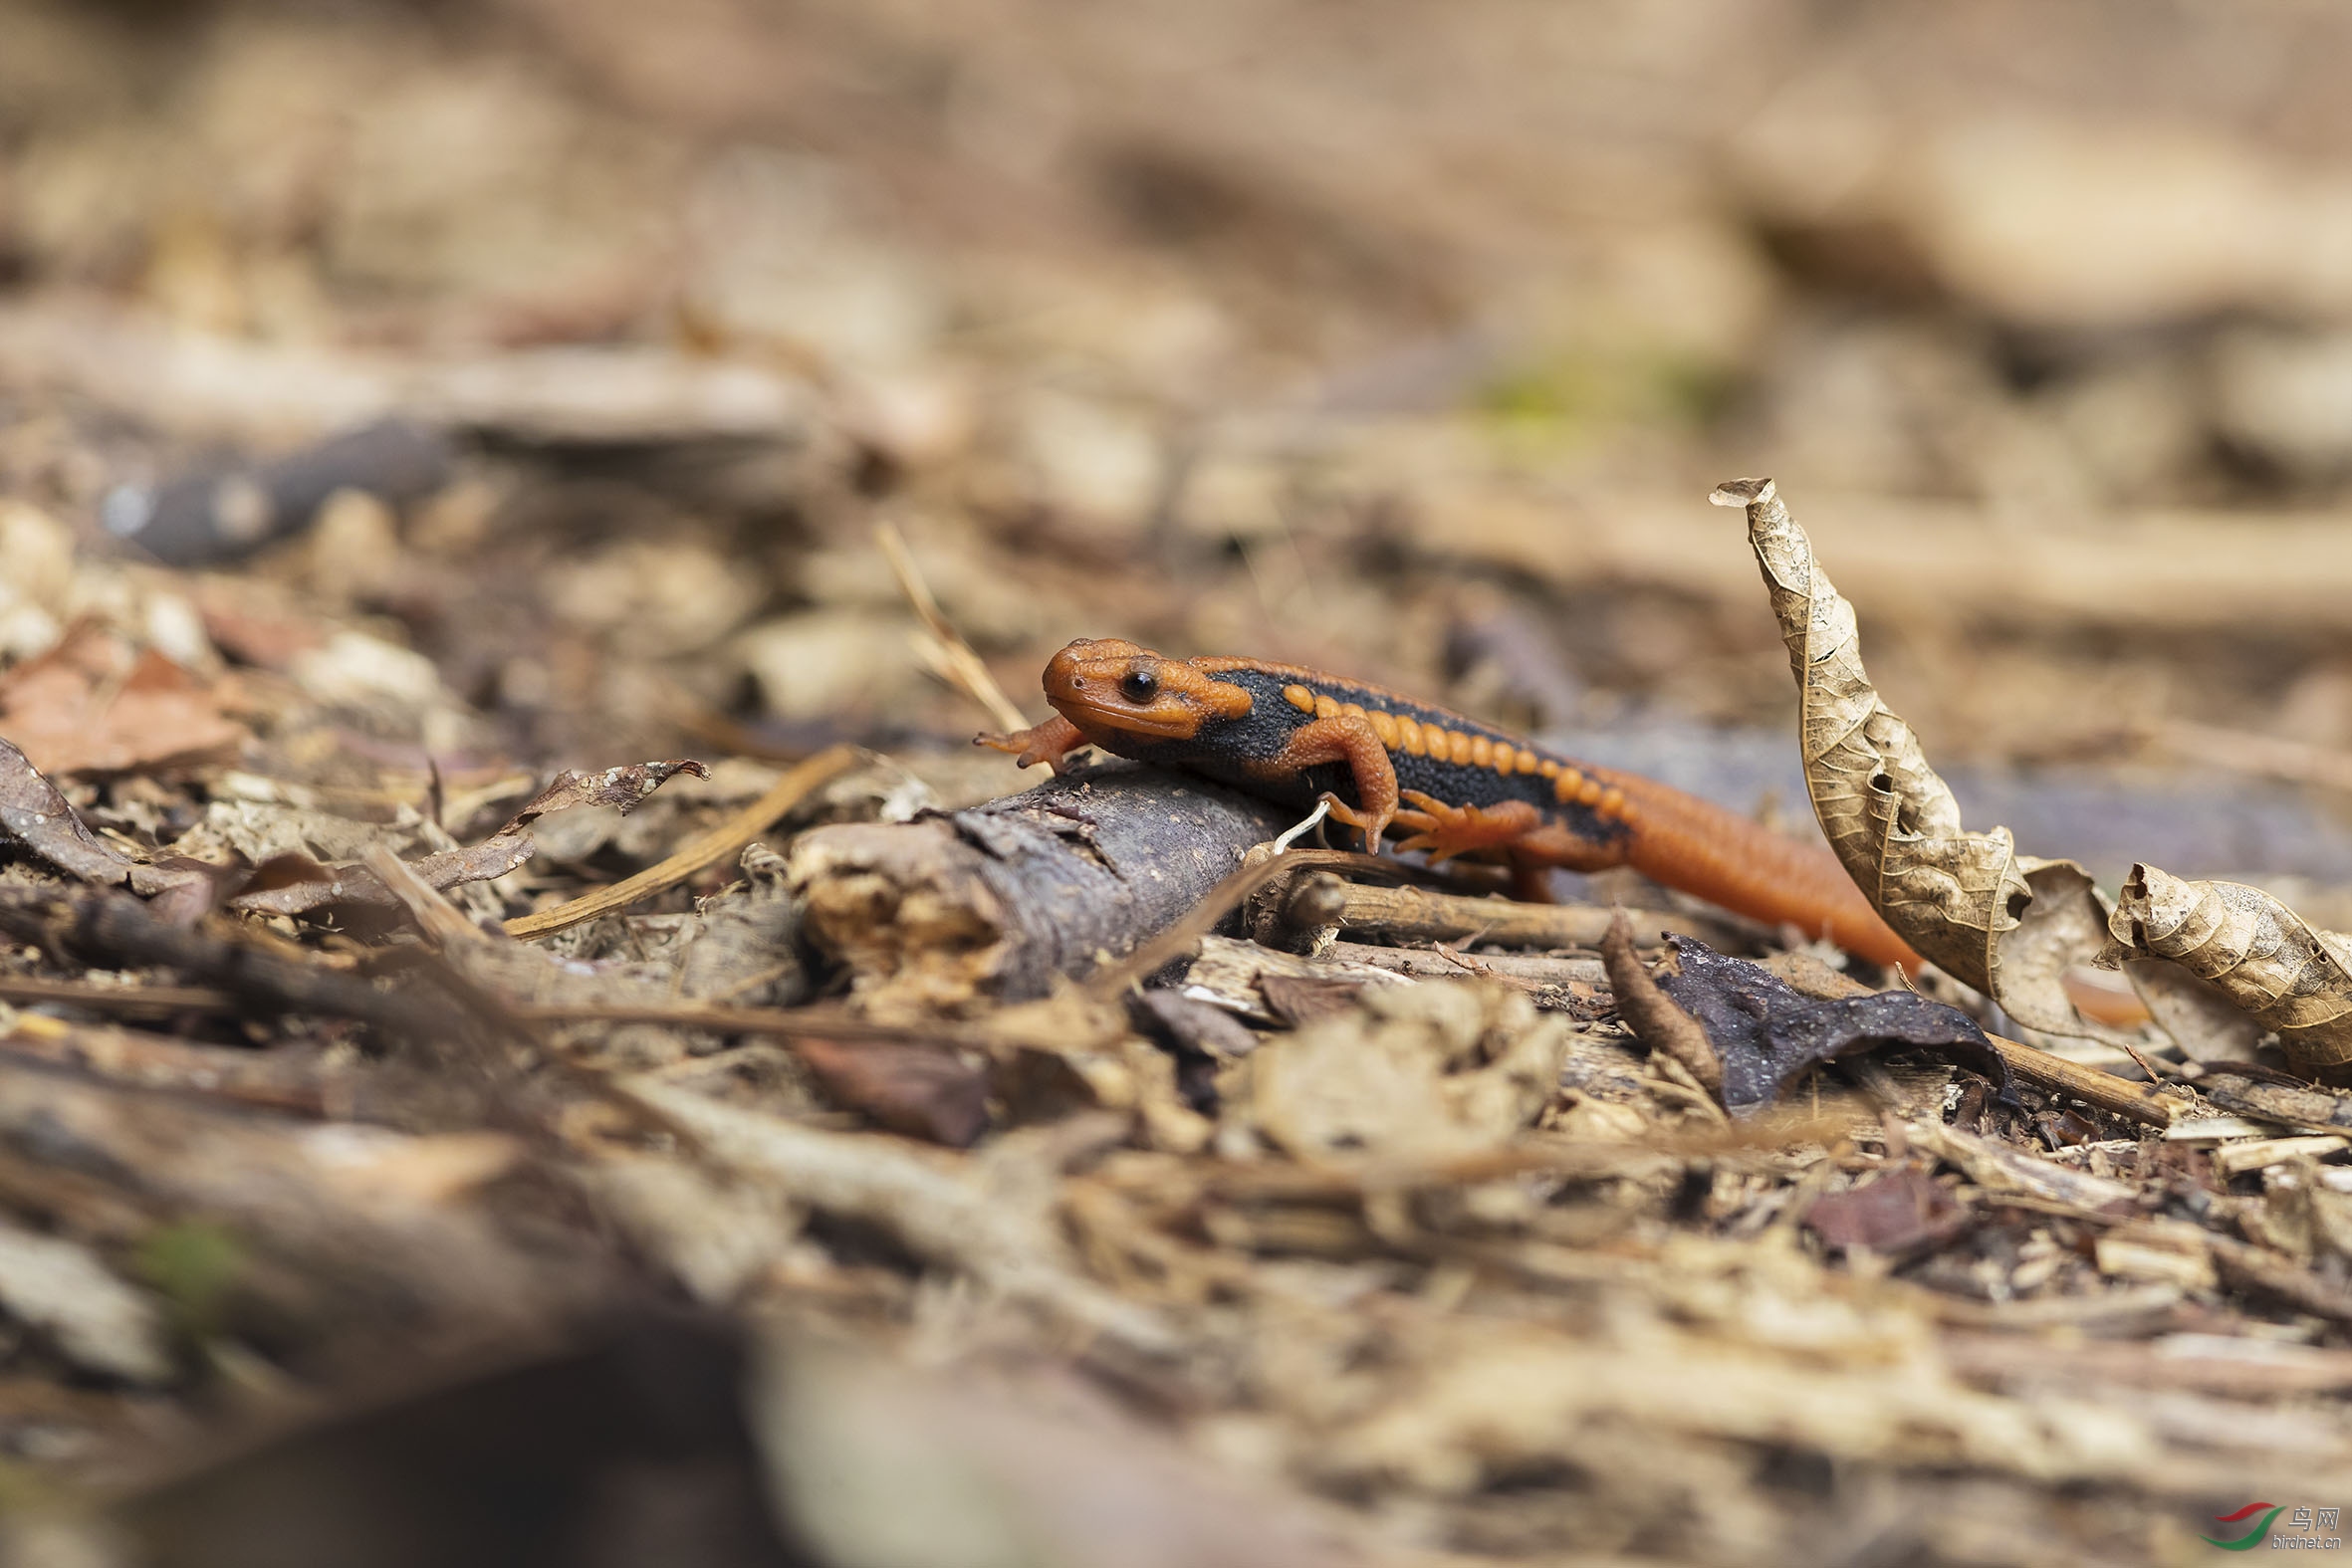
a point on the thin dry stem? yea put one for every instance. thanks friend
(712, 847)
(943, 647)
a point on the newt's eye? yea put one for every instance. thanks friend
(1140, 686)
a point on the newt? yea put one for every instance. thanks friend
(1442, 783)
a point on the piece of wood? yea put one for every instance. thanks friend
(117, 931)
(1652, 1014)
(117, 999)
(276, 1080)
(1535, 970)
(1419, 914)
(994, 902)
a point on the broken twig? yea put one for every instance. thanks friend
(1652, 1015)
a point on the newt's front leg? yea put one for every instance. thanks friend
(1350, 739)
(1050, 742)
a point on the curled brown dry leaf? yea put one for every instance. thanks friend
(2012, 924)
(2283, 973)
(2009, 925)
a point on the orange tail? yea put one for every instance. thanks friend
(1699, 847)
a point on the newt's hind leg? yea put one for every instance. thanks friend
(1534, 854)
(1446, 831)
(1532, 883)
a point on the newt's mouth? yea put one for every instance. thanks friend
(1109, 684)
(1086, 714)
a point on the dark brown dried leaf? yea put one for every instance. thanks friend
(32, 809)
(1767, 1031)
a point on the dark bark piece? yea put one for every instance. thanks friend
(995, 901)
(1191, 1024)
(1202, 1037)
(1767, 1031)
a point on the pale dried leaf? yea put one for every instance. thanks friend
(1513, 1399)
(1419, 1071)
(2009, 925)
(296, 890)
(2286, 975)
(2198, 1014)
(1998, 1165)
(2163, 1250)
(932, 1202)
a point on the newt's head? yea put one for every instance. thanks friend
(1111, 688)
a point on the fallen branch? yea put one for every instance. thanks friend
(115, 931)
(1418, 914)
(934, 915)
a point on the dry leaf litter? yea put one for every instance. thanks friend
(483, 1073)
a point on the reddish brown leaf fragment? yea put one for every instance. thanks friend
(1903, 1211)
(917, 1090)
(93, 704)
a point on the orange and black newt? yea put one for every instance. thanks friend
(1444, 783)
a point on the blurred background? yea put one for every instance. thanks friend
(1322, 331)
(550, 364)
